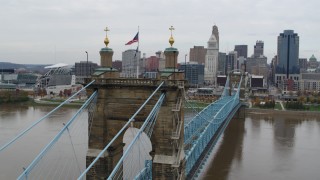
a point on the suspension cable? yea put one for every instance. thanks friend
(41, 119)
(118, 134)
(56, 138)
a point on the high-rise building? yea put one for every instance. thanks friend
(194, 73)
(258, 49)
(222, 63)
(274, 63)
(303, 64)
(152, 64)
(162, 60)
(215, 31)
(211, 61)
(117, 64)
(242, 50)
(231, 61)
(198, 54)
(254, 62)
(131, 63)
(288, 53)
(257, 63)
(85, 68)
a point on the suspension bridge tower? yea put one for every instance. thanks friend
(119, 98)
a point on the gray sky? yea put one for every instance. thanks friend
(39, 31)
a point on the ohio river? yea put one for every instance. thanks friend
(261, 147)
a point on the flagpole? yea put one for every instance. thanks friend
(137, 52)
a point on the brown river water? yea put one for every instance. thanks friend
(260, 147)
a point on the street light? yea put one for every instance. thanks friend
(87, 64)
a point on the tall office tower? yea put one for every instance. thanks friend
(117, 64)
(162, 60)
(222, 63)
(197, 54)
(211, 62)
(258, 49)
(231, 61)
(273, 65)
(303, 63)
(84, 68)
(130, 62)
(215, 31)
(152, 64)
(288, 53)
(194, 72)
(242, 50)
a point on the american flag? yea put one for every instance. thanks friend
(135, 39)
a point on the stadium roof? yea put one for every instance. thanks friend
(56, 66)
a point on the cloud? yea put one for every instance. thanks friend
(32, 27)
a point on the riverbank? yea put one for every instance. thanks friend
(279, 112)
(46, 102)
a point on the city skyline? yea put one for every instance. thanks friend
(51, 32)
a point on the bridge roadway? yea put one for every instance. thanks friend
(194, 172)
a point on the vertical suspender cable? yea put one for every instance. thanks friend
(41, 119)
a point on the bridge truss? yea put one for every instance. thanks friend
(205, 128)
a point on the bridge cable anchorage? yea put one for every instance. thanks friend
(54, 140)
(158, 104)
(119, 133)
(42, 118)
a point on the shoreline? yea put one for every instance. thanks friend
(258, 111)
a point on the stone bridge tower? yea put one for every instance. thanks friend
(119, 98)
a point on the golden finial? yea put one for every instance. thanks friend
(171, 40)
(106, 40)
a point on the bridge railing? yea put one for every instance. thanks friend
(133, 81)
(200, 131)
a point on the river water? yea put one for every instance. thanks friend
(260, 147)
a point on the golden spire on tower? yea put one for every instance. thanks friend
(106, 40)
(171, 40)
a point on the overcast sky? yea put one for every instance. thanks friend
(40, 31)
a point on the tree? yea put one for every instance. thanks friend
(65, 92)
(290, 93)
(60, 94)
(302, 99)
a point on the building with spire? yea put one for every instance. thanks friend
(211, 61)
(215, 31)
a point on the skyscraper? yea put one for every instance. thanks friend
(231, 61)
(258, 49)
(242, 50)
(215, 31)
(197, 54)
(222, 63)
(288, 53)
(130, 60)
(211, 60)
